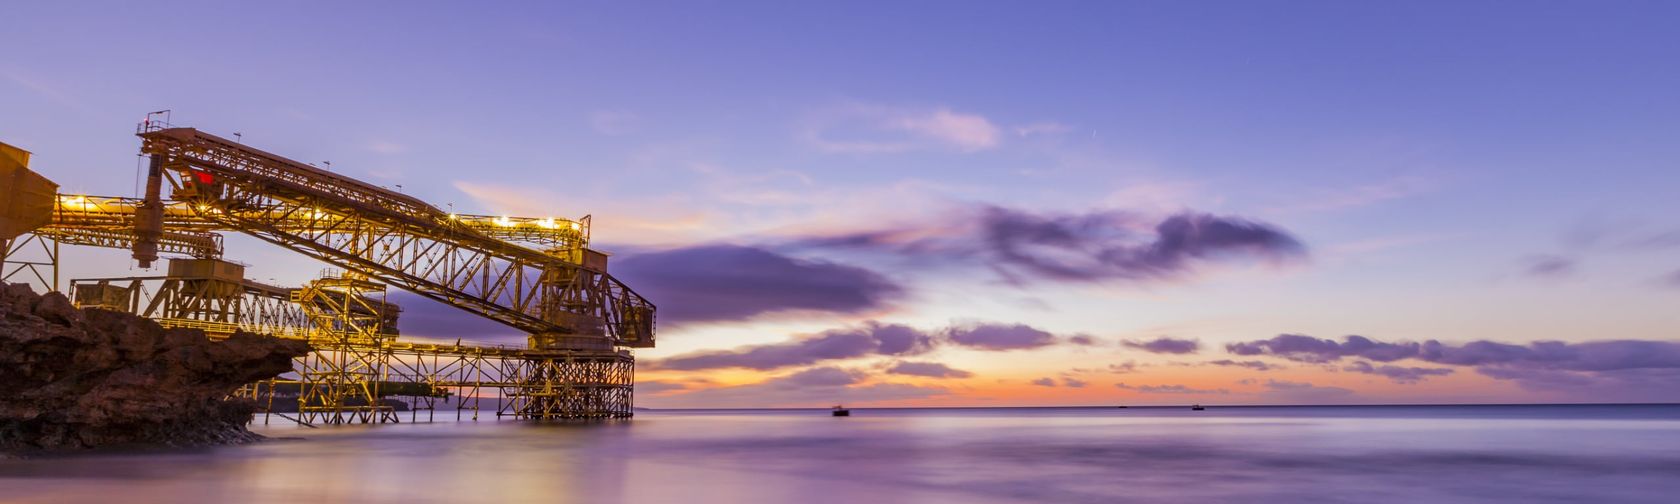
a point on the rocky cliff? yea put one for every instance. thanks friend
(72, 378)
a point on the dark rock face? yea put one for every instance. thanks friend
(72, 378)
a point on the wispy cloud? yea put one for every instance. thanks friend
(861, 128)
(1170, 389)
(386, 147)
(1661, 240)
(1397, 374)
(927, 369)
(1164, 345)
(1156, 196)
(658, 387)
(1549, 266)
(1000, 336)
(1066, 381)
(614, 122)
(1594, 236)
(1367, 246)
(1123, 367)
(969, 132)
(1041, 128)
(1341, 198)
(1250, 364)
(1304, 392)
(45, 89)
(1671, 280)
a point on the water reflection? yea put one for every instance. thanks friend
(1582, 454)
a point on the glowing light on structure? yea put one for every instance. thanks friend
(75, 201)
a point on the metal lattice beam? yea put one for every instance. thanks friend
(563, 237)
(216, 306)
(399, 240)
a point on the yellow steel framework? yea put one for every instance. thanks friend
(533, 274)
(107, 221)
(395, 238)
(74, 213)
(428, 377)
(25, 205)
(339, 379)
(30, 258)
(218, 305)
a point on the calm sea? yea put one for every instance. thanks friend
(1364, 454)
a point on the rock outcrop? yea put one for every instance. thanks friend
(73, 378)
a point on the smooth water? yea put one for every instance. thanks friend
(1255, 454)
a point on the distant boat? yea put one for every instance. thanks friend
(841, 411)
(1121, 406)
(1196, 407)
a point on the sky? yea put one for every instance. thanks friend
(974, 203)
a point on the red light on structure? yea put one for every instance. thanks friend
(204, 177)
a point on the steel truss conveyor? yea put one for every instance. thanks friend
(567, 304)
(537, 275)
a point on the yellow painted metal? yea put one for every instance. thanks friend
(108, 221)
(340, 379)
(395, 238)
(26, 197)
(112, 212)
(533, 273)
(13, 155)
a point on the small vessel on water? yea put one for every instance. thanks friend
(1196, 407)
(841, 411)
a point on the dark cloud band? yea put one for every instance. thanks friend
(1089, 247)
(725, 282)
(1165, 345)
(869, 339)
(1614, 368)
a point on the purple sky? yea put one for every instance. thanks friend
(977, 203)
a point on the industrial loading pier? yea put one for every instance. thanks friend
(537, 275)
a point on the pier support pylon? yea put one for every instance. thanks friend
(571, 384)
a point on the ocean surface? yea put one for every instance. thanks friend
(1362, 454)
